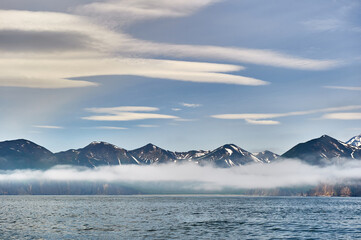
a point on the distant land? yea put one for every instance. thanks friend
(24, 154)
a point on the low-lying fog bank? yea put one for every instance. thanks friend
(285, 177)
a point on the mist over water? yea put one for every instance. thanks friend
(190, 176)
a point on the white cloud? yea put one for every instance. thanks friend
(128, 11)
(129, 116)
(39, 82)
(243, 55)
(288, 173)
(125, 113)
(107, 52)
(62, 69)
(100, 56)
(249, 116)
(344, 88)
(262, 118)
(262, 122)
(110, 128)
(184, 120)
(176, 109)
(191, 105)
(115, 110)
(48, 126)
(343, 116)
(142, 9)
(147, 126)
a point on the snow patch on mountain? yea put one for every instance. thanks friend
(355, 141)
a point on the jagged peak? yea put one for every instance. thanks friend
(355, 141)
(150, 146)
(230, 146)
(102, 143)
(324, 138)
(98, 142)
(265, 152)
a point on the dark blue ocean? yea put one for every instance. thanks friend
(179, 217)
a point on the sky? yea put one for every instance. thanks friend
(180, 74)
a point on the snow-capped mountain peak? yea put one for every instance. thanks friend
(228, 155)
(266, 156)
(355, 141)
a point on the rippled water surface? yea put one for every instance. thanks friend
(178, 217)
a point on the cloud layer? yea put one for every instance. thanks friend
(262, 118)
(191, 105)
(47, 49)
(343, 116)
(48, 126)
(345, 88)
(128, 11)
(290, 173)
(126, 113)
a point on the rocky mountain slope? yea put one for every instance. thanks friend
(96, 154)
(355, 141)
(323, 150)
(22, 154)
(267, 156)
(228, 155)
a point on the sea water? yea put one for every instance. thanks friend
(179, 217)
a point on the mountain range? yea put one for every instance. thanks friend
(323, 150)
(23, 154)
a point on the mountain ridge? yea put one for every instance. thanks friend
(322, 150)
(22, 153)
(355, 141)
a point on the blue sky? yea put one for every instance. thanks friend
(180, 74)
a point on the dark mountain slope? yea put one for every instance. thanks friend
(150, 154)
(22, 154)
(267, 156)
(96, 154)
(228, 155)
(322, 150)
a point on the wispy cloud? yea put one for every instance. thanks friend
(163, 8)
(262, 122)
(266, 57)
(350, 88)
(125, 113)
(343, 116)
(147, 126)
(191, 105)
(51, 49)
(330, 24)
(128, 11)
(184, 120)
(60, 69)
(263, 118)
(176, 109)
(114, 110)
(110, 128)
(327, 24)
(48, 126)
(102, 52)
